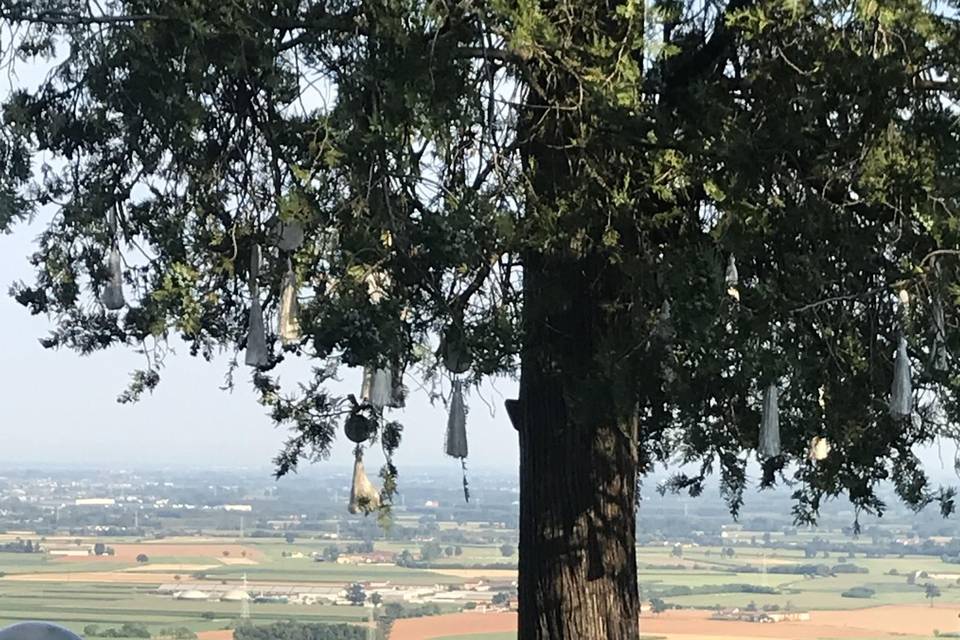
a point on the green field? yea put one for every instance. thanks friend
(79, 602)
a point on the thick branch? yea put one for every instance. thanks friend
(713, 53)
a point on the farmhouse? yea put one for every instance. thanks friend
(742, 615)
(374, 557)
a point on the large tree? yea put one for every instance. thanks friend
(557, 187)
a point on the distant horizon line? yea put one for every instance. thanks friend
(305, 469)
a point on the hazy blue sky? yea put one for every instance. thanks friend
(60, 407)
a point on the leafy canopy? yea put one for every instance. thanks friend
(817, 141)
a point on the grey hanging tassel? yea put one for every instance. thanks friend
(112, 295)
(456, 445)
(939, 345)
(901, 395)
(732, 278)
(770, 423)
(289, 317)
(256, 355)
(364, 496)
(377, 389)
(663, 329)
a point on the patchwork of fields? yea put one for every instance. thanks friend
(111, 590)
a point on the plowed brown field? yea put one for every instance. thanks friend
(129, 552)
(877, 622)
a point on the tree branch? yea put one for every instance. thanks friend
(713, 53)
(21, 13)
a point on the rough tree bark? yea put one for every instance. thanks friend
(576, 418)
(578, 478)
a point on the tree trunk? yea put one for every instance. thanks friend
(578, 478)
(577, 413)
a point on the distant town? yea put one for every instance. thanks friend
(217, 555)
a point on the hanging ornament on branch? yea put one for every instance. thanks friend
(904, 297)
(456, 440)
(112, 295)
(454, 350)
(289, 316)
(770, 423)
(663, 328)
(256, 355)
(364, 496)
(378, 388)
(732, 279)
(901, 393)
(819, 449)
(940, 354)
(288, 234)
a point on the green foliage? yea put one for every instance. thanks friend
(331, 553)
(126, 630)
(404, 558)
(175, 633)
(815, 143)
(507, 550)
(356, 595)
(430, 551)
(299, 631)
(858, 592)
(657, 605)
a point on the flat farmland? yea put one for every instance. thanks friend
(112, 590)
(903, 622)
(129, 552)
(77, 604)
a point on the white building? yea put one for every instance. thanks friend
(95, 502)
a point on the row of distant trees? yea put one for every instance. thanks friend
(299, 631)
(20, 546)
(725, 552)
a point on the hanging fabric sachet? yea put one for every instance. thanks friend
(901, 393)
(378, 387)
(364, 496)
(457, 359)
(256, 355)
(770, 423)
(112, 295)
(819, 449)
(732, 278)
(289, 316)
